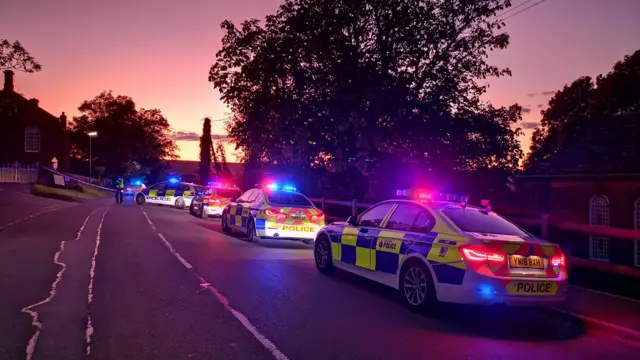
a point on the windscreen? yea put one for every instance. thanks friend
(288, 198)
(480, 221)
(229, 193)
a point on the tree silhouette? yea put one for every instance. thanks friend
(222, 154)
(573, 109)
(205, 152)
(125, 134)
(216, 161)
(13, 56)
(339, 84)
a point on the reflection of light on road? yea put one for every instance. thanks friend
(92, 272)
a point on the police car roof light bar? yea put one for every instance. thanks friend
(174, 180)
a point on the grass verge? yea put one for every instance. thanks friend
(72, 195)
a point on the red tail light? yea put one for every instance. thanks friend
(479, 253)
(270, 212)
(558, 260)
(318, 217)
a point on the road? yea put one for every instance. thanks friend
(153, 282)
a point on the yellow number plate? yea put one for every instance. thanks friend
(532, 288)
(529, 262)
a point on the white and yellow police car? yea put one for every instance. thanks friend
(436, 248)
(274, 212)
(172, 193)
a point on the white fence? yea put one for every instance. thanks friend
(18, 173)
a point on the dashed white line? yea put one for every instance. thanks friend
(174, 252)
(89, 330)
(224, 301)
(31, 346)
(148, 220)
(46, 210)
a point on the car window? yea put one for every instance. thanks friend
(160, 186)
(480, 221)
(185, 187)
(403, 217)
(288, 198)
(424, 223)
(229, 193)
(374, 216)
(246, 196)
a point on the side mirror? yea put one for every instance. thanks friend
(352, 220)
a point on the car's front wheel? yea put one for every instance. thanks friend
(251, 232)
(322, 255)
(225, 223)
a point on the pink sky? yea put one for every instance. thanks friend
(159, 52)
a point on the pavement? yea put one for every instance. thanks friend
(131, 282)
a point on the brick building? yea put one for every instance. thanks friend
(594, 180)
(29, 133)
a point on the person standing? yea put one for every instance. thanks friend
(119, 190)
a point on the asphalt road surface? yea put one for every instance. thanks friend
(131, 282)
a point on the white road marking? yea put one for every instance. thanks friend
(174, 252)
(225, 302)
(31, 346)
(46, 210)
(92, 272)
(148, 220)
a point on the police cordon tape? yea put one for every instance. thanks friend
(76, 179)
(544, 221)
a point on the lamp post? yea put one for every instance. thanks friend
(91, 135)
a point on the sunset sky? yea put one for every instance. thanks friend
(159, 52)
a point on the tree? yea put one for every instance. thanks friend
(337, 84)
(13, 56)
(573, 109)
(125, 134)
(222, 154)
(206, 146)
(216, 162)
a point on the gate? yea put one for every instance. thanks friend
(17, 173)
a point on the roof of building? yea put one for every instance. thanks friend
(29, 106)
(611, 146)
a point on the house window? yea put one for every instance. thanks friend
(599, 215)
(636, 225)
(32, 139)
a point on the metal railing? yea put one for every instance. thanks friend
(544, 221)
(18, 173)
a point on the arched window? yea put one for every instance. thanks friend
(636, 225)
(32, 139)
(599, 215)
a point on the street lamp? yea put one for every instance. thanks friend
(91, 135)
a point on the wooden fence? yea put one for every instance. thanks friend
(543, 221)
(18, 173)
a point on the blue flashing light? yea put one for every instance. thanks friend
(174, 180)
(486, 291)
(273, 186)
(289, 188)
(137, 183)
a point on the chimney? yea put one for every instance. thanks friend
(35, 102)
(8, 80)
(63, 120)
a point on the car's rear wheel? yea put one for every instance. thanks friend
(416, 286)
(201, 214)
(180, 203)
(140, 199)
(322, 255)
(225, 223)
(251, 232)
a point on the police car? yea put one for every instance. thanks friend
(436, 248)
(135, 186)
(172, 192)
(212, 200)
(274, 212)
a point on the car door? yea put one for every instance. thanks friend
(248, 206)
(407, 223)
(236, 210)
(155, 192)
(356, 242)
(169, 196)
